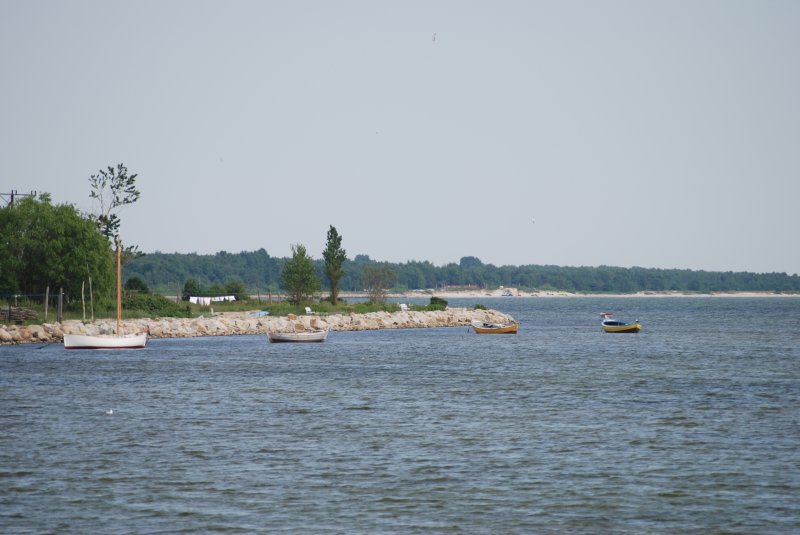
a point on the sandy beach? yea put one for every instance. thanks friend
(510, 292)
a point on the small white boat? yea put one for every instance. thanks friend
(302, 336)
(109, 341)
(85, 341)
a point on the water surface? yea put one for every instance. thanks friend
(690, 426)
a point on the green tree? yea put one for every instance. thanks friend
(470, 262)
(334, 257)
(377, 278)
(237, 289)
(298, 277)
(113, 188)
(191, 288)
(42, 245)
(136, 285)
(216, 290)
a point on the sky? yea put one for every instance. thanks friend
(659, 134)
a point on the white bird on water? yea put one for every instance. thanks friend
(110, 412)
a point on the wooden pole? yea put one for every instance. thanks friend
(91, 299)
(83, 299)
(119, 288)
(46, 302)
(60, 305)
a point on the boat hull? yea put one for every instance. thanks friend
(630, 328)
(83, 341)
(300, 337)
(482, 327)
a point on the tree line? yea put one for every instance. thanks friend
(260, 272)
(300, 277)
(48, 245)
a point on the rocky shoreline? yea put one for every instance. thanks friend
(238, 323)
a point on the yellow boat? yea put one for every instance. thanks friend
(610, 325)
(485, 327)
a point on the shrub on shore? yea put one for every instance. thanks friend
(437, 303)
(153, 306)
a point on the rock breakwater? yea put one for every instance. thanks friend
(236, 323)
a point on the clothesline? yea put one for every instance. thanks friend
(205, 301)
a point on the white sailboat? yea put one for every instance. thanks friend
(118, 341)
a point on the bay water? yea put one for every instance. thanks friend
(690, 426)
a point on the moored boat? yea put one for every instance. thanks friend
(485, 327)
(85, 341)
(118, 341)
(318, 335)
(610, 325)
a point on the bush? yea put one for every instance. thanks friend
(366, 307)
(237, 289)
(152, 306)
(437, 303)
(135, 284)
(479, 307)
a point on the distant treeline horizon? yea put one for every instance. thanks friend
(167, 273)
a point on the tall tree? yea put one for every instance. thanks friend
(334, 257)
(113, 188)
(298, 276)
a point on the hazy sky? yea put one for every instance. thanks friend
(636, 133)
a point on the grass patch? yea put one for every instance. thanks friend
(157, 306)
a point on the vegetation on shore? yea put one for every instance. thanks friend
(137, 304)
(47, 245)
(261, 273)
(52, 252)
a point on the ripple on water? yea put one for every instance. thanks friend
(558, 429)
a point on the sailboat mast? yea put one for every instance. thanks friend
(119, 288)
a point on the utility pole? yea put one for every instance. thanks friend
(9, 197)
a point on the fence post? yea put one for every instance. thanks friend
(91, 298)
(61, 305)
(46, 302)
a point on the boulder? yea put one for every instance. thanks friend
(38, 332)
(5, 337)
(227, 324)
